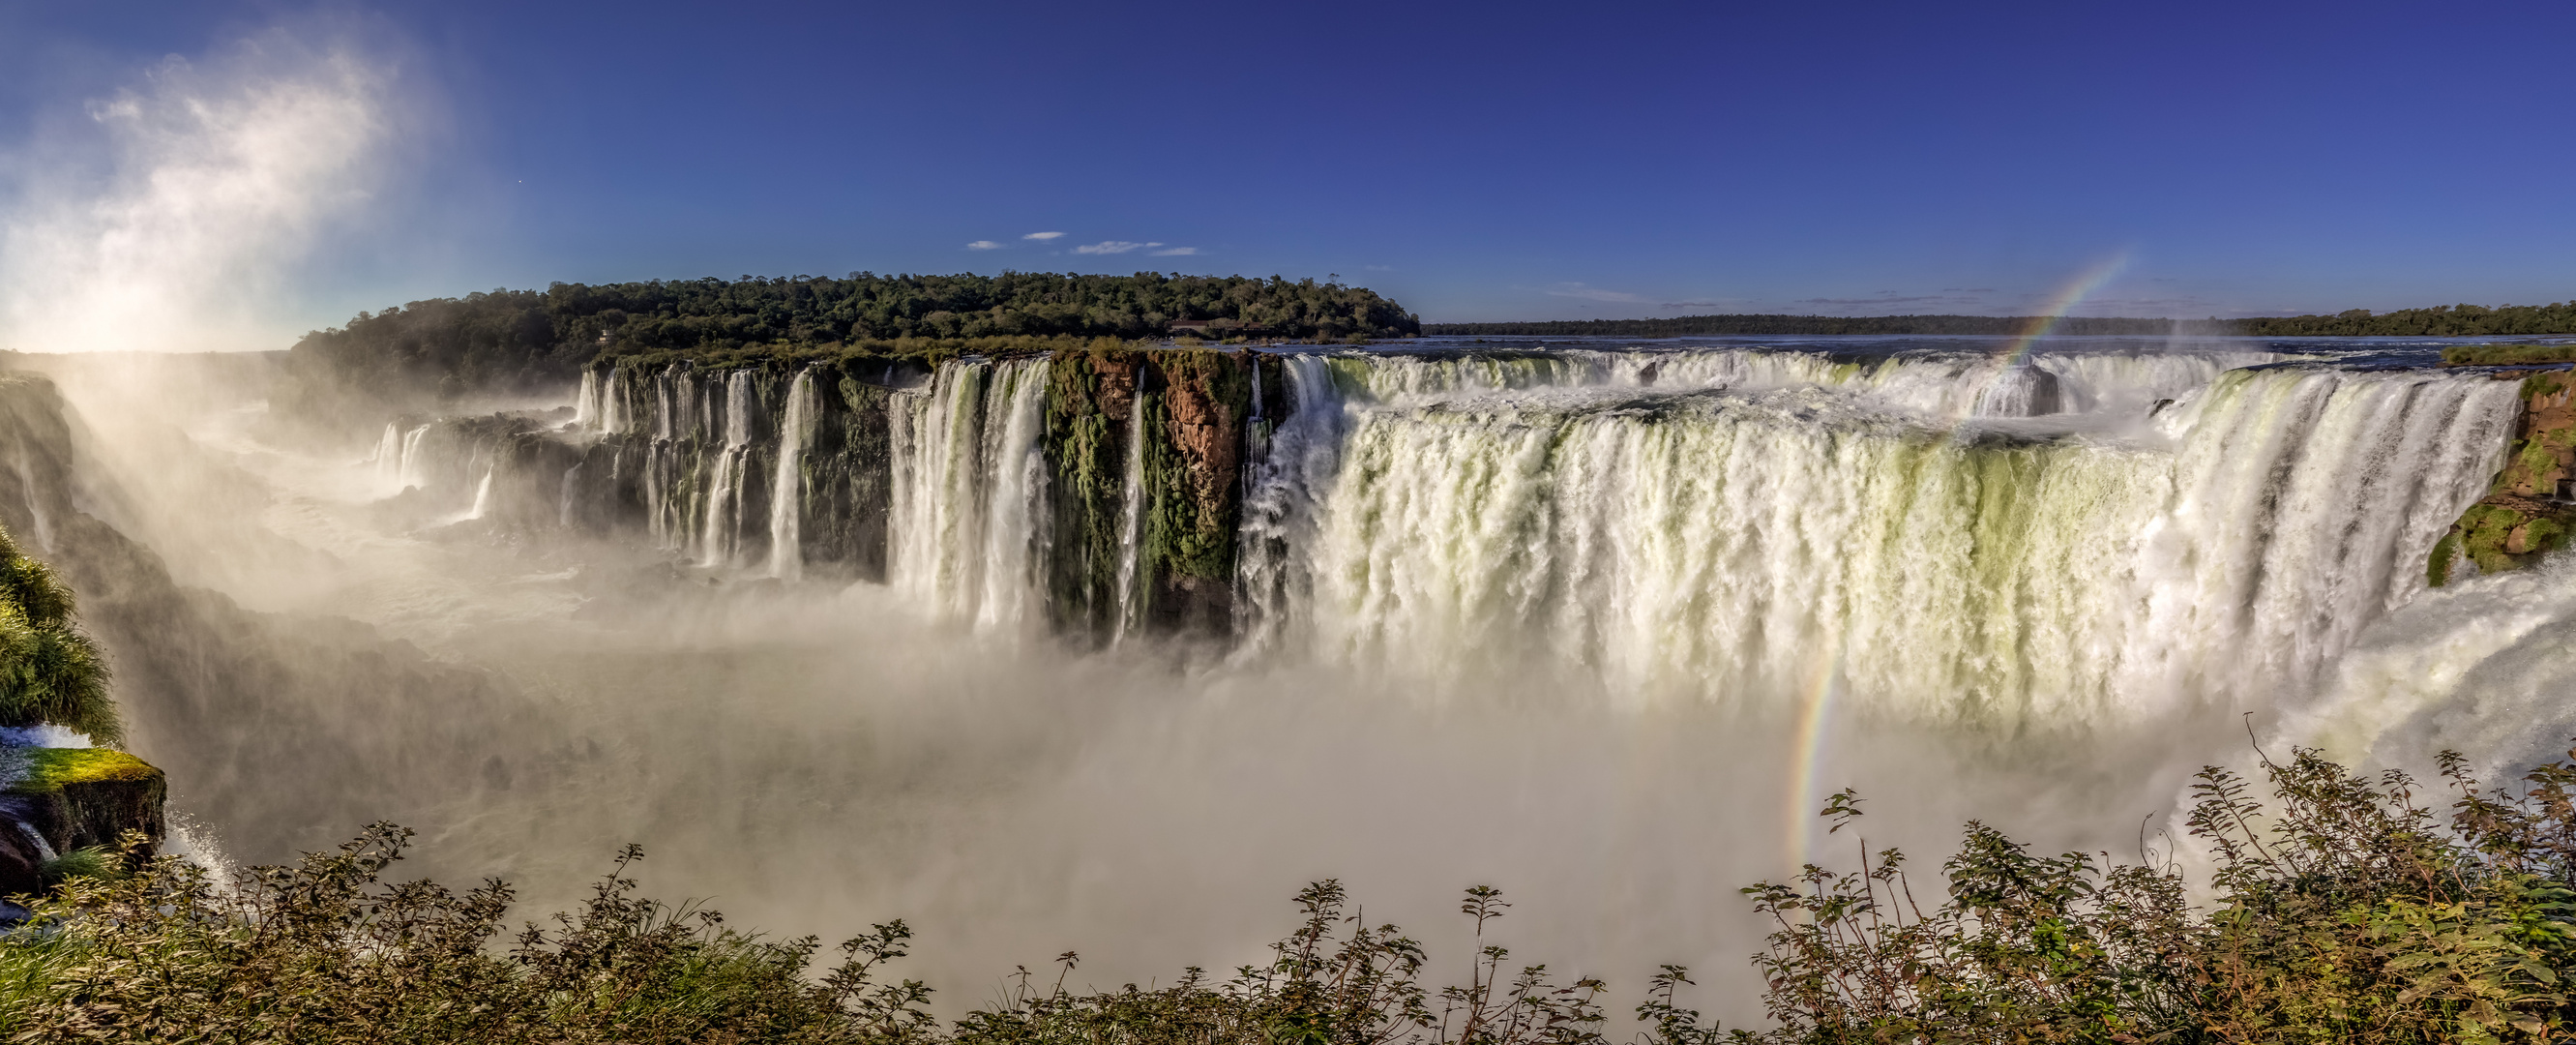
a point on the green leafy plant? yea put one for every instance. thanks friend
(49, 670)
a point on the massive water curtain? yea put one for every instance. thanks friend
(1720, 546)
(968, 467)
(2307, 501)
(1698, 524)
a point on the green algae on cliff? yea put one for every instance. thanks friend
(1092, 394)
(1193, 490)
(2526, 514)
(1176, 417)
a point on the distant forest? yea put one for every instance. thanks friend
(526, 339)
(2442, 321)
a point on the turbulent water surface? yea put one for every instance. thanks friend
(1596, 623)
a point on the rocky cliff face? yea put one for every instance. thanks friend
(1165, 563)
(2531, 509)
(1132, 521)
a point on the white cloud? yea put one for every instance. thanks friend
(218, 181)
(1175, 252)
(983, 244)
(1042, 236)
(1578, 290)
(1113, 246)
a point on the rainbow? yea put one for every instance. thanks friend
(1819, 695)
(2083, 286)
(1815, 713)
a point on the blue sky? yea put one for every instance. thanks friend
(1474, 161)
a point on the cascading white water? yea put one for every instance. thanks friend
(389, 457)
(1281, 489)
(1016, 456)
(1131, 519)
(968, 470)
(786, 491)
(482, 494)
(721, 533)
(1714, 524)
(1722, 545)
(585, 403)
(1960, 384)
(409, 471)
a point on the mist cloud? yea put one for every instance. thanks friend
(173, 217)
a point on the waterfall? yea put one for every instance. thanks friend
(44, 849)
(2070, 535)
(1017, 455)
(1720, 546)
(389, 457)
(1131, 518)
(1282, 489)
(786, 494)
(967, 471)
(585, 404)
(409, 471)
(615, 413)
(483, 493)
(722, 532)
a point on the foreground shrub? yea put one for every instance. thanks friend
(2343, 911)
(326, 952)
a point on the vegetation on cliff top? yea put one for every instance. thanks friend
(2341, 910)
(51, 768)
(50, 673)
(2507, 355)
(2442, 321)
(510, 340)
(2439, 321)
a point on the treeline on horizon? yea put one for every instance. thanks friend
(509, 340)
(2439, 321)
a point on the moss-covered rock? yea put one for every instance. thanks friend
(1092, 396)
(2528, 512)
(1189, 406)
(89, 796)
(1194, 470)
